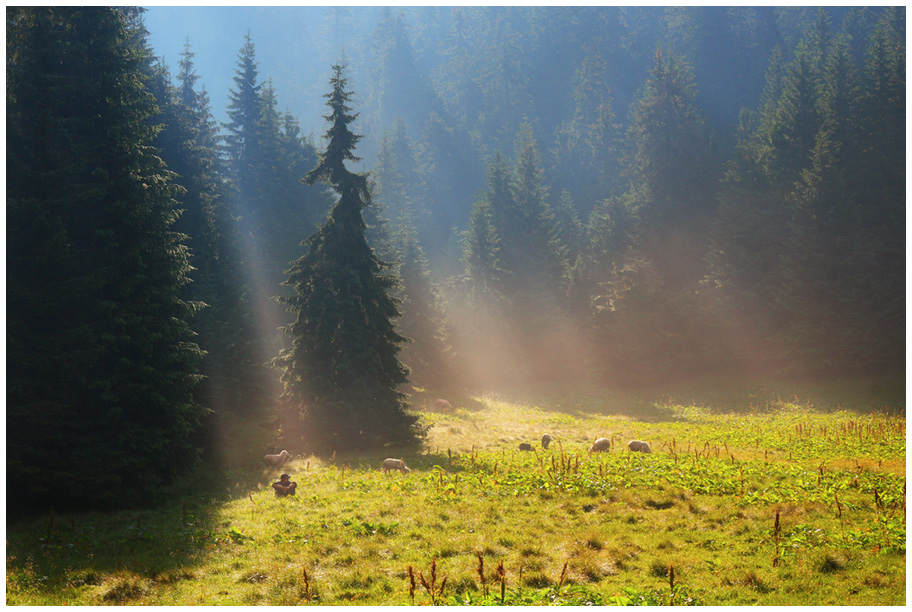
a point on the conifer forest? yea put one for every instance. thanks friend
(409, 202)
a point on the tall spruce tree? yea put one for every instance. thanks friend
(342, 373)
(570, 229)
(746, 235)
(514, 258)
(586, 149)
(236, 383)
(426, 355)
(484, 273)
(653, 320)
(477, 302)
(400, 182)
(245, 131)
(102, 361)
(532, 250)
(486, 265)
(397, 83)
(669, 169)
(399, 188)
(266, 157)
(453, 174)
(288, 209)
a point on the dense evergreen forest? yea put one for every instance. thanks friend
(624, 196)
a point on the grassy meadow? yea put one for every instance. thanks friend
(755, 500)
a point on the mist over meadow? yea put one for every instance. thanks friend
(634, 129)
(628, 197)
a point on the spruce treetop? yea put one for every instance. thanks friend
(341, 141)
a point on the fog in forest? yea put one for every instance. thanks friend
(440, 91)
(627, 197)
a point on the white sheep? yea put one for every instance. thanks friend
(277, 459)
(638, 446)
(600, 445)
(394, 464)
(546, 440)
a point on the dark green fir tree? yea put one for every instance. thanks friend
(102, 361)
(237, 382)
(422, 316)
(342, 373)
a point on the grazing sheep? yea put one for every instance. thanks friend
(601, 445)
(546, 440)
(277, 459)
(525, 446)
(394, 464)
(638, 446)
(442, 405)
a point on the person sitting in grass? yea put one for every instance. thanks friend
(284, 486)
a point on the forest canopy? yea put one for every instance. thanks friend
(624, 196)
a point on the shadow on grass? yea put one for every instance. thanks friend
(52, 556)
(56, 553)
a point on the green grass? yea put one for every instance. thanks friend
(692, 523)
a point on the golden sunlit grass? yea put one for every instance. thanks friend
(477, 521)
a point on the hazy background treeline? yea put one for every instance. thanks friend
(630, 196)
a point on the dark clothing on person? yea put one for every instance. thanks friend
(284, 486)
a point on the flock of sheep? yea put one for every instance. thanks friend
(600, 445)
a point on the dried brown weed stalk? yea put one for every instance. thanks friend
(431, 585)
